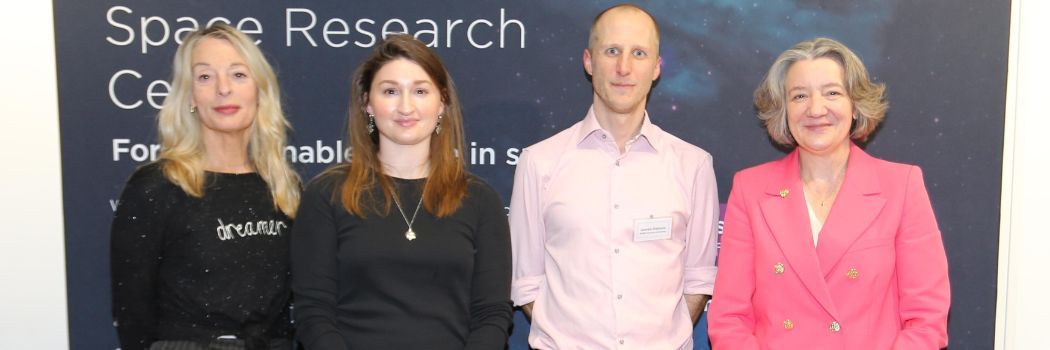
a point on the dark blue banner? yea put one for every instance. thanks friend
(518, 69)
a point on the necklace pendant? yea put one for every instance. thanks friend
(410, 235)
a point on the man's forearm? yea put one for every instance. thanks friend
(527, 309)
(695, 302)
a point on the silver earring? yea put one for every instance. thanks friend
(193, 109)
(371, 123)
(437, 129)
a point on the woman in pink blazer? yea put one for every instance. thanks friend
(828, 248)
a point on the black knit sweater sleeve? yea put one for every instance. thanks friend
(490, 309)
(136, 242)
(315, 271)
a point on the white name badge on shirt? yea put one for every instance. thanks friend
(652, 229)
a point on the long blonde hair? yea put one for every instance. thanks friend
(446, 185)
(182, 149)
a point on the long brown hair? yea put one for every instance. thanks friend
(446, 185)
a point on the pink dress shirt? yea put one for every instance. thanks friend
(573, 213)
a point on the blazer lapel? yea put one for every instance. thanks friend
(856, 206)
(785, 212)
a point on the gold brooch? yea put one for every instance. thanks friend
(835, 326)
(778, 268)
(784, 193)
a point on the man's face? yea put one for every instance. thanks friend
(623, 60)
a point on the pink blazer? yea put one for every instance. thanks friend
(877, 280)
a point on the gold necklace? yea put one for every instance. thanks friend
(410, 234)
(834, 192)
(824, 198)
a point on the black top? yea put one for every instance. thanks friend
(360, 284)
(186, 268)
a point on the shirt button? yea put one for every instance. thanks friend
(603, 136)
(619, 296)
(835, 326)
(616, 206)
(617, 250)
(621, 341)
(617, 163)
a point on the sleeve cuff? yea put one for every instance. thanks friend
(523, 290)
(700, 280)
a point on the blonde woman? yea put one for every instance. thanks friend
(199, 244)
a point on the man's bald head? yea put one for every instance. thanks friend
(593, 38)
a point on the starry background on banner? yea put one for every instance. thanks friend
(944, 62)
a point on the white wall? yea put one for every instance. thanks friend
(32, 254)
(1024, 262)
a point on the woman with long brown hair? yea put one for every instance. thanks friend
(402, 248)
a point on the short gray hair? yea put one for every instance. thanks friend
(869, 98)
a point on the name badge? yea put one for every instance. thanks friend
(652, 229)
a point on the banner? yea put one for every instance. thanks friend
(518, 69)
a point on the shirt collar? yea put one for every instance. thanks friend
(590, 132)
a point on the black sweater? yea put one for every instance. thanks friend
(186, 268)
(360, 284)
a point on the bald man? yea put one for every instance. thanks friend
(613, 220)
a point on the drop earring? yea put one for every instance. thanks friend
(371, 123)
(437, 129)
(193, 109)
